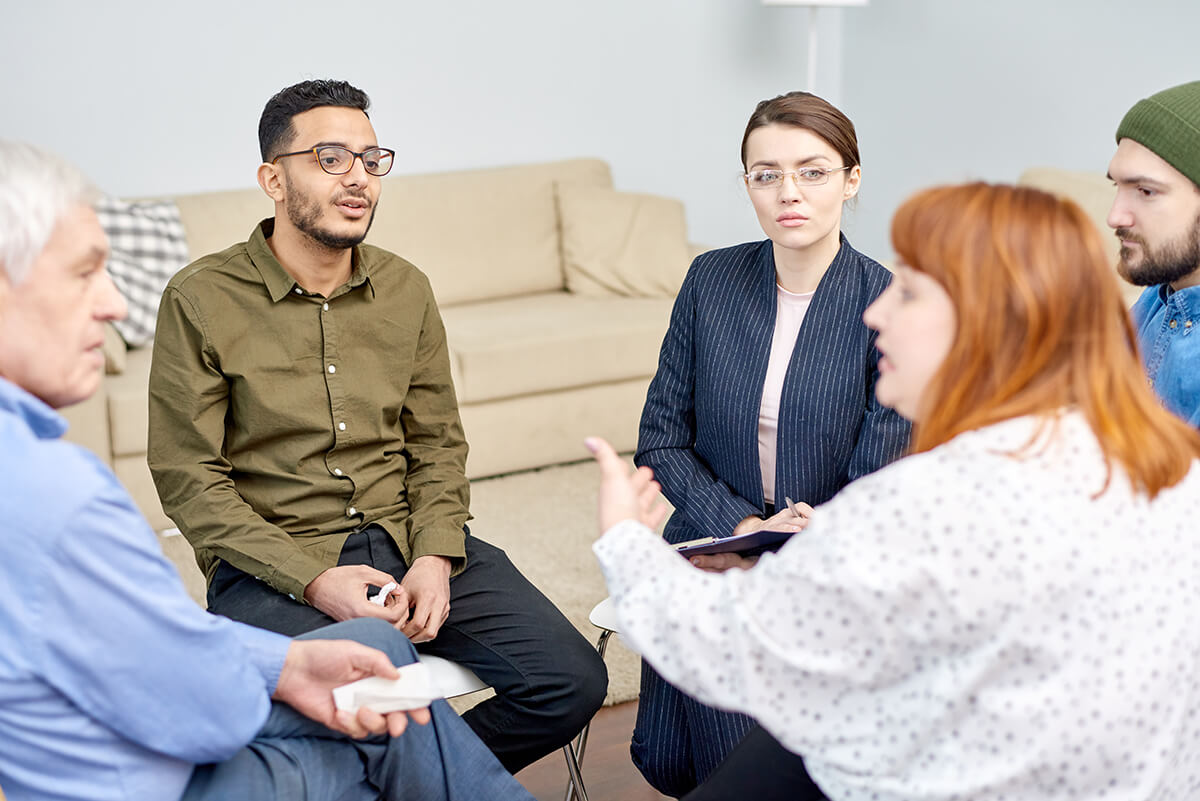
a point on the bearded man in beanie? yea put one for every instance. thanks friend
(1156, 215)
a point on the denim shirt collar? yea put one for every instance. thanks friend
(1186, 301)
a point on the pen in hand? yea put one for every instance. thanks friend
(791, 505)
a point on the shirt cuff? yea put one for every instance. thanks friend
(630, 552)
(448, 541)
(727, 516)
(267, 651)
(293, 576)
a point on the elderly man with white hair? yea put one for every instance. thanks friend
(113, 684)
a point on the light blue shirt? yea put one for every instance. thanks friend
(113, 683)
(1168, 332)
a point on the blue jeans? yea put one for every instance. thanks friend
(296, 759)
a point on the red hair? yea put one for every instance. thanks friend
(1041, 326)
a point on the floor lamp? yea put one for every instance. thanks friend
(812, 28)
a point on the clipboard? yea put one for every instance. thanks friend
(752, 544)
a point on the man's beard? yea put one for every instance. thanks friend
(1164, 265)
(305, 212)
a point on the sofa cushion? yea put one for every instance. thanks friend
(499, 349)
(146, 247)
(215, 220)
(622, 243)
(549, 427)
(552, 341)
(481, 234)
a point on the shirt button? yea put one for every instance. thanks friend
(1172, 323)
(341, 426)
(332, 369)
(1188, 324)
(337, 471)
(299, 291)
(324, 307)
(351, 512)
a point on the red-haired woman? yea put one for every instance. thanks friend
(1010, 611)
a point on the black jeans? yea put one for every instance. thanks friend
(549, 680)
(759, 768)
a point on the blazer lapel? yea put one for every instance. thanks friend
(823, 401)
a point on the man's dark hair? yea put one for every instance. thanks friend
(275, 129)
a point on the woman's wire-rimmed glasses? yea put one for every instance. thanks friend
(805, 176)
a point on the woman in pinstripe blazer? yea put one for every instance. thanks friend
(764, 389)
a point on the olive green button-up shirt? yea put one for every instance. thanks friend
(280, 421)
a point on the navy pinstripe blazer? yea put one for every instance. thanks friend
(699, 428)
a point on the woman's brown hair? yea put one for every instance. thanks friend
(1041, 326)
(805, 110)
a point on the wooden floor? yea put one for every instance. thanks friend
(608, 772)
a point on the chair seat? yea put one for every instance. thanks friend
(451, 679)
(604, 615)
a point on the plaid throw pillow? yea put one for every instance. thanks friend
(148, 246)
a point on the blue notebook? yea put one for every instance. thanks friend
(751, 544)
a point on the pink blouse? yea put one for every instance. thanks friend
(790, 309)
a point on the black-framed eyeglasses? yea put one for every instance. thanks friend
(805, 176)
(338, 160)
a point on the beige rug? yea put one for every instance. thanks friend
(546, 521)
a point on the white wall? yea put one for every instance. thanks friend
(951, 90)
(154, 98)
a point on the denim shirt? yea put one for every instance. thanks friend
(1166, 322)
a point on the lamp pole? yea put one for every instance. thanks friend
(812, 49)
(812, 28)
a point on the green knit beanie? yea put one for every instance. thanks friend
(1168, 123)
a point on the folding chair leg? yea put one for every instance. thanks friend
(602, 643)
(575, 755)
(575, 784)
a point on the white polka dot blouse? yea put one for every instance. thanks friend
(983, 621)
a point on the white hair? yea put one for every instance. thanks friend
(36, 189)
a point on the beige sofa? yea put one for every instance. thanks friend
(555, 290)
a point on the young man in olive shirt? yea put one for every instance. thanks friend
(304, 436)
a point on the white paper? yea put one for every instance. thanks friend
(413, 690)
